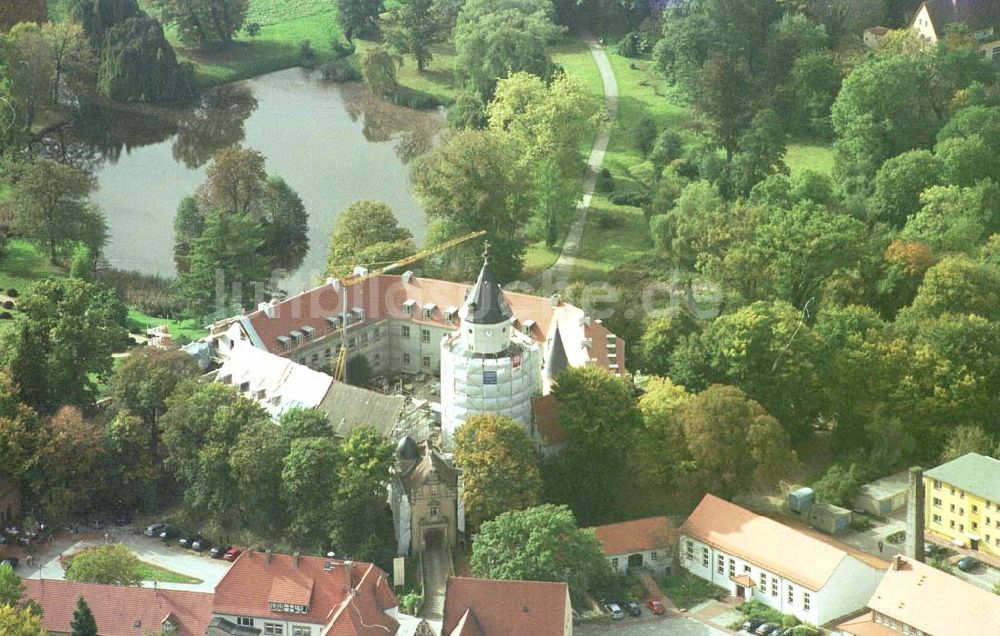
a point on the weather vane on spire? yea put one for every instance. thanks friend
(486, 250)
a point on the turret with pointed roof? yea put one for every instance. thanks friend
(486, 304)
(556, 362)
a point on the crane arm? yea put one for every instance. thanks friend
(340, 363)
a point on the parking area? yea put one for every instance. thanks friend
(46, 562)
(650, 626)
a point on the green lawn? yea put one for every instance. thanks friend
(188, 328)
(614, 235)
(150, 572)
(22, 265)
(687, 590)
(809, 157)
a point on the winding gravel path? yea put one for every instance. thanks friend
(562, 269)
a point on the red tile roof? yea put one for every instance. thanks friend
(118, 609)
(865, 625)
(791, 553)
(505, 608)
(636, 535)
(935, 602)
(349, 599)
(546, 412)
(383, 296)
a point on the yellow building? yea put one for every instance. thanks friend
(962, 502)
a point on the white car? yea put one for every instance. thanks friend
(615, 611)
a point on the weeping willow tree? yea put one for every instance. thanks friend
(97, 17)
(138, 64)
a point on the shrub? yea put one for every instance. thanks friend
(13, 293)
(340, 70)
(805, 630)
(629, 45)
(644, 135)
(607, 221)
(667, 148)
(8, 304)
(5, 315)
(633, 198)
(605, 182)
(306, 51)
(252, 29)
(341, 47)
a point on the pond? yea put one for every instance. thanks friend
(332, 143)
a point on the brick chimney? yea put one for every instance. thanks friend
(295, 560)
(267, 557)
(915, 515)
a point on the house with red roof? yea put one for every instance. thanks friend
(488, 607)
(265, 594)
(121, 611)
(757, 558)
(916, 599)
(640, 543)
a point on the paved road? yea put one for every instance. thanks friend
(560, 272)
(435, 581)
(149, 550)
(672, 626)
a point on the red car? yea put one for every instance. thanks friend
(231, 554)
(656, 607)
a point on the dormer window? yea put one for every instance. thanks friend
(528, 327)
(285, 342)
(359, 313)
(296, 337)
(408, 307)
(309, 332)
(289, 608)
(450, 313)
(428, 310)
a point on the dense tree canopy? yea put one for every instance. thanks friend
(204, 23)
(538, 544)
(367, 233)
(62, 343)
(106, 564)
(476, 181)
(496, 38)
(499, 464)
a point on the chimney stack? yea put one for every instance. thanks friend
(915, 515)
(267, 557)
(295, 560)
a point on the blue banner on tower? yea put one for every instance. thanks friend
(489, 377)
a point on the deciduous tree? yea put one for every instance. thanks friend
(62, 344)
(142, 382)
(734, 442)
(359, 17)
(379, 69)
(898, 185)
(20, 622)
(365, 232)
(415, 26)
(309, 479)
(499, 464)
(538, 544)
(494, 39)
(111, 564)
(204, 23)
(476, 181)
(52, 208)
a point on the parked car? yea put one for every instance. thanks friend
(615, 610)
(218, 551)
(766, 629)
(168, 533)
(232, 554)
(123, 519)
(12, 561)
(189, 541)
(155, 529)
(200, 545)
(968, 564)
(751, 624)
(656, 607)
(781, 631)
(632, 608)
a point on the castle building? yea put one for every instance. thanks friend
(494, 351)
(487, 366)
(425, 499)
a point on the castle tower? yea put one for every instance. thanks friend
(487, 366)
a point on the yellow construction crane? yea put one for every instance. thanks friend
(340, 364)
